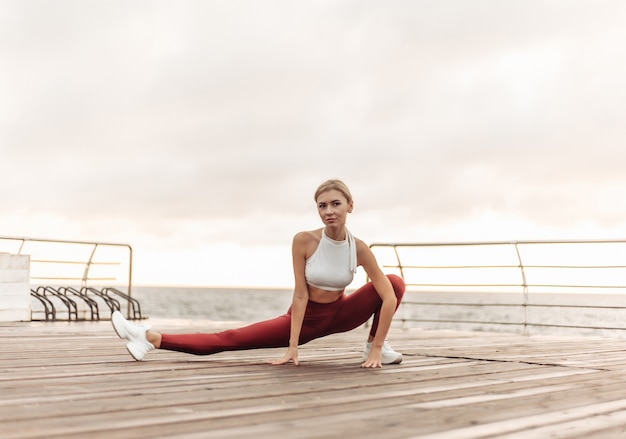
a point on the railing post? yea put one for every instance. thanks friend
(23, 241)
(395, 250)
(130, 277)
(524, 286)
(401, 269)
(88, 266)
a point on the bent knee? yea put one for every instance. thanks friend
(398, 284)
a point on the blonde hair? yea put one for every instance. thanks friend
(331, 184)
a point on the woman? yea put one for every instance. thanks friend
(324, 264)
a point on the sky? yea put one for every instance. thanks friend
(198, 131)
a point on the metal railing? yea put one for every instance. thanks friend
(94, 268)
(575, 284)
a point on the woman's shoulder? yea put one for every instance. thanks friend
(308, 236)
(363, 249)
(306, 242)
(359, 242)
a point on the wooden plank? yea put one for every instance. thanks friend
(73, 380)
(559, 424)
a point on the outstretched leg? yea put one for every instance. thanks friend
(271, 333)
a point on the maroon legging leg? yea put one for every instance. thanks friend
(320, 319)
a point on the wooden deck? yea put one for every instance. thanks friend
(76, 380)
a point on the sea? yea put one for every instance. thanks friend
(540, 313)
(210, 303)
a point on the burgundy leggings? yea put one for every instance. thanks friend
(320, 319)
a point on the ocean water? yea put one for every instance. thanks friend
(214, 304)
(547, 313)
(559, 314)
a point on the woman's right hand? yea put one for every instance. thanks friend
(291, 355)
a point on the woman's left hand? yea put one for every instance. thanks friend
(374, 359)
(291, 355)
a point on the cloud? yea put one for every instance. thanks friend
(212, 116)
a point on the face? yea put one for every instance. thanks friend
(333, 208)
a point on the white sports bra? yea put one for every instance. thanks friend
(333, 264)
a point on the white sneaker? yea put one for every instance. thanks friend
(389, 356)
(138, 346)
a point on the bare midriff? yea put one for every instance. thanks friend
(323, 296)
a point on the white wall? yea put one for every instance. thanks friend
(15, 303)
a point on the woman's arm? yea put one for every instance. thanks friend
(383, 287)
(300, 298)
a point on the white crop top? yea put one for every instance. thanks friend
(333, 264)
